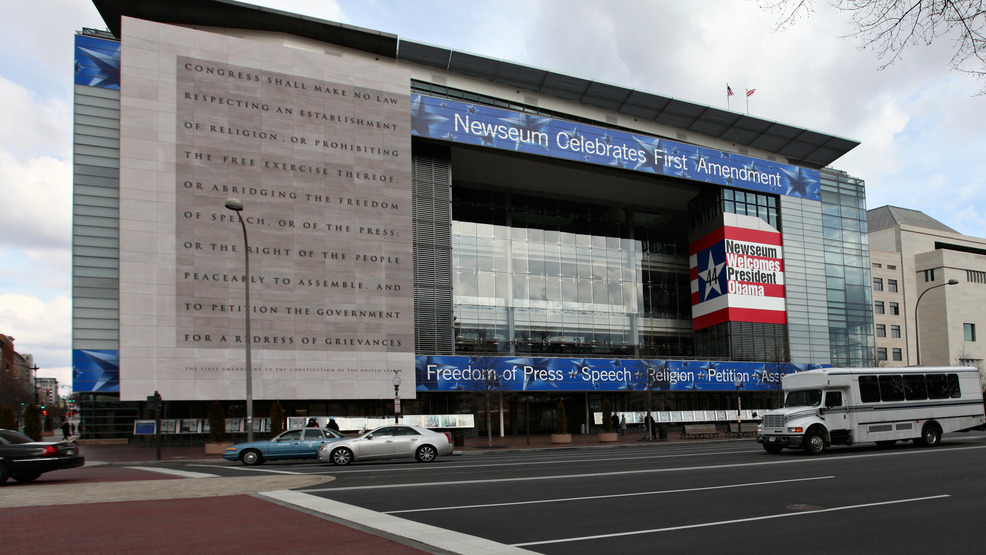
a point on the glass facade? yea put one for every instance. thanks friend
(847, 270)
(538, 275)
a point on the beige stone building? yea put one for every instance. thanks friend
(919, 317)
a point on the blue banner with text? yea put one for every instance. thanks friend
(480, 373)
(477, 124)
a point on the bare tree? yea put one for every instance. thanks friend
(778, 364)
(890, 26)
(486, 380)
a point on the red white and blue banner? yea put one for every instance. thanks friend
(737, 274)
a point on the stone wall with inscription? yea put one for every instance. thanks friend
(318, 149)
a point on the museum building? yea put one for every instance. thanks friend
(493, 235)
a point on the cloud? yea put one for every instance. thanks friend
(41, 329)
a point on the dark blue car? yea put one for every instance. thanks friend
(302, 443)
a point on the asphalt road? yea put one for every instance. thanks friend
(701, 497)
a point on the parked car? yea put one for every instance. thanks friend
(302, 443)
(24, 459)
(388, 442)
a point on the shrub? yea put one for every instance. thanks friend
(32, 423)
(561, 419)
(8, 420)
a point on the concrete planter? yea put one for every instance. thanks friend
(608, 437)
(561, 438)
(216, 448)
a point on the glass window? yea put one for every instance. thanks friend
(896, 354)
(833, 399)
(881, 330)
(881, 353)
(869, 388)
(895, 331)
(891, 388)
(895, 308)
(970, 331)
(878, 307)
(878, 284)
(892, 285)
(915, 387)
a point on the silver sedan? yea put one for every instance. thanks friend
(388, 442)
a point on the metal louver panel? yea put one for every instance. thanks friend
(432, 195)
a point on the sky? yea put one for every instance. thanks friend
(919, 122)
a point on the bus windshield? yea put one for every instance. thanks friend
(804, 398)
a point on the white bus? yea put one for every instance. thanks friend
(844, 406)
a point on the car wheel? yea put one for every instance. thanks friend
(342, 456)
(252, 457)
(28, 477)
(930, 435)
(4, 473)
(426, 453)
(814, 442)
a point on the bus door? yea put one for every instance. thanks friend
(837, 417)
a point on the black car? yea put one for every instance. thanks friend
(24, 459)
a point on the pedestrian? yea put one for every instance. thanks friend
(623, 425)
(332, 425)
(65, 429)
(650, 432)
(615, 423)
(312, 423)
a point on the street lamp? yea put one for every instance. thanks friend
(917, 325)
(236, 205)
(738, 382)
(35, 382)
(397, 396)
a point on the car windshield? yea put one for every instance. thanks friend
(804, 398)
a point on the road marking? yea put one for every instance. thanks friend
(800, 460)
(174, 472)
(258, 470)
(447, 540)
(590, 497)
(553, 462)
(726, 522)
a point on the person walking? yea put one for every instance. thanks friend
(65, 429)
(614, 423)
(623, 425)
(332, 425)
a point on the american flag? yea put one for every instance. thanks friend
(750, 91)
(729, 90)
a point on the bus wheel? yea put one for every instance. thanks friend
(814, 442)
(930, 435)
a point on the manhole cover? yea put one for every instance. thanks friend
(803, 507)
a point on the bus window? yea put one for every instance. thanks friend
(833, 399)
(804, 398)
(937, 386)
(953, 386)
(869, 389)
(891, 388)
(915, 387)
